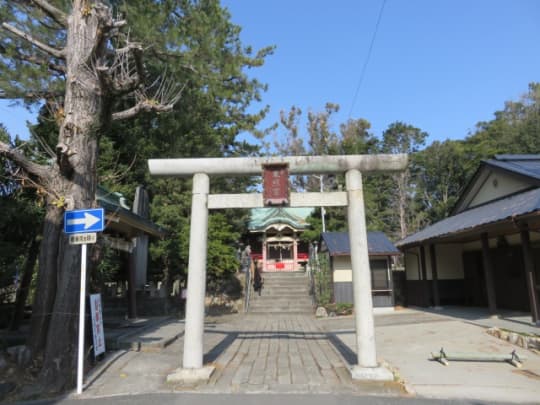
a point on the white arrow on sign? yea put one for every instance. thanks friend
(88, 220)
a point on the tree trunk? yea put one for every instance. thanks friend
(46, 281)
(86, 111)
(24, 289)
(402, 180)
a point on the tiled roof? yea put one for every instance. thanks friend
(500, 210)
(526, 165)
(378, 244)
(115, 203)
(261, 218)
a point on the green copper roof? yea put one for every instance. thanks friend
(261, 218)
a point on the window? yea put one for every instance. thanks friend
(379, 275)
(280, 251)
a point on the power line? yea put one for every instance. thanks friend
(366, 62)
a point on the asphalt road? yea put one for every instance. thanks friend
(255, 399)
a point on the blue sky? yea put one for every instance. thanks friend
(439, 65)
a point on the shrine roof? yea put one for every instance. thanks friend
(262, 218)
(337, 244)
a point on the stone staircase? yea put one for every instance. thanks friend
(286, 292)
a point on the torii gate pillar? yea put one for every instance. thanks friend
(366, 367)
(192, 366)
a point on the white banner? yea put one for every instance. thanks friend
(97, 324)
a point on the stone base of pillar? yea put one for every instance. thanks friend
(371, 373)
(191, 375)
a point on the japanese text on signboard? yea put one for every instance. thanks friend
(276, 184)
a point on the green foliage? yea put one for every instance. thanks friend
(324, 288)
(344, 308)
(193, 43)
(21, 217)
(20, 65)
(222, 260)
(444, 168)
(441, 176)
(109, 267)
(515, 129)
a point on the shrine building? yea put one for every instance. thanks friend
(274, 237)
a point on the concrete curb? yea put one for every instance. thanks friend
(103, 366)
(121, 342)
(136, 342)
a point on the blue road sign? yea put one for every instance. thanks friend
(82, 221)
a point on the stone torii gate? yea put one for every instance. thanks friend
(353, 166)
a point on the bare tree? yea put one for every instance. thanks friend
(97, 64)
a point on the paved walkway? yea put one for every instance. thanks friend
(252, 354)
(287, 353)
(301, 354)
(406, 338)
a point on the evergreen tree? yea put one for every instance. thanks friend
(79, 57)
(400, 137)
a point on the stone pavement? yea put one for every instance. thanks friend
(251, 353)
(295, 353)
(405, 340)
(283, 353)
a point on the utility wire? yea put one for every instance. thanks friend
(366, 62)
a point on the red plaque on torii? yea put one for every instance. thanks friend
(276, 184)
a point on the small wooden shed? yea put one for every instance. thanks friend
(380, 249)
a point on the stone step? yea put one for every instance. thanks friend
(273, 295)
(281, 301)
(285, 275)
(291, 293)
(283, 292)
(285, 282)
(280, 308)
(288, 310)
(300, 287)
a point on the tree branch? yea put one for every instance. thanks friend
(116, 86)
(41, 61)
(56, 14)
(23, 162)
(143, 106)
(31, 95)
(120, 78)
(57, 53)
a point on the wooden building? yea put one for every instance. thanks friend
(128, 230)
(488, 252)
(274, 238)
(380, 250)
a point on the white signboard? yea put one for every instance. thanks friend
(97, 324)
(82, 238)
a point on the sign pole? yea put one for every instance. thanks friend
(80, 357)
(81, 226)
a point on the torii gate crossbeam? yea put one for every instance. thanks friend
(352, 165)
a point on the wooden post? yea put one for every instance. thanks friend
(132, 289)
(295, 251)
(425, 289)
(488, 273)
(434, 275)
(264, 256)
(390, 279)
(530, 276)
